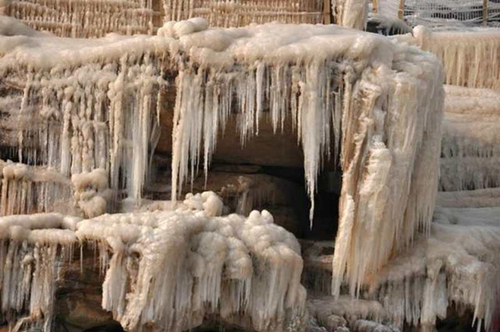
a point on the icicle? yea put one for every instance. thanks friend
(470, 151)
(23, 185)
(381, 100)
(470, 56)
(371, 111)
(31, 250)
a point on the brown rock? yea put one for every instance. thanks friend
(79, 296)
(269, 149)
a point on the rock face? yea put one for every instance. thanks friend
(94, 117)
(247, 188)
(267, 149)
(79, 296)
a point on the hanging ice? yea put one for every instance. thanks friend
(30, 248)
(192, 262)
(470, 56)
(164, 269)
(456, 266)
(331, 82)
(26, 190)
(89, 111)
(471, 139)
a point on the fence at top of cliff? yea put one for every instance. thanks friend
(96, 18)
(231, 13)
(85, 18)
(441, 12)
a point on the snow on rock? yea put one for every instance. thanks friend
(91, 192)
(357, 314)
(375, 102)
(470, 55)
(191, 262)
(470, 155)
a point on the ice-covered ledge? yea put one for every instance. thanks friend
(470, 56)
(164, 270)
(376, 101)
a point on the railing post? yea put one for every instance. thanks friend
(485, 12)
(327, 10)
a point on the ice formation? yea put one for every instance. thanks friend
(84, 18)
(457, 265)
(85, 105)
(471, 139)
(30, 248)
(195, 261)
(90, 115)
(386, 25)
(91, 192)
(31, 189)
(376, 149)
(470, 56)
(380, 215)
(351, 13)
(358, 314)
(376, 102)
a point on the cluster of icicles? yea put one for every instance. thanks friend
(456, 266)
(377, 103)
(26, 190)
(471, 140)
(31, 250)
(168, 269)
(470, 57)
(85, 18)
(99, 116)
